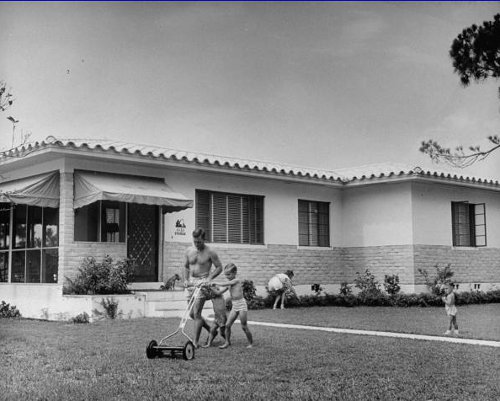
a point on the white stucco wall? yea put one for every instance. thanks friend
(432, 211)
(377, 215)
(280, 203)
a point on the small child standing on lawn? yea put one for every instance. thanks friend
(220, 315)
(239, 305)
(451, 310)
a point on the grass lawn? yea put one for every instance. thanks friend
(107, 361)
(474, 321)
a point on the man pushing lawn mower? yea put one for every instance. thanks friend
(199, 259)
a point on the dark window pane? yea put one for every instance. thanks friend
(50, 227)
(34, 227)
(33, 266)
(20, 226)
(18, 265)
(4, 267)
(314, 223)
(4, 225)
(461, 224)
(86, 223)
(49, 266)
(113, 222)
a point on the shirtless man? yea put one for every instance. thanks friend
(198, 263)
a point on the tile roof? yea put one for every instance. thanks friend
(359, 174)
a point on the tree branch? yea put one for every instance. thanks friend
(457, 157)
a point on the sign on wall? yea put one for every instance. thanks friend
(180, 227)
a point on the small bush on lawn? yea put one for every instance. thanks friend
(81, 318)
(345, 288)
(391, 284)
(106, 277)
(8, 311)
(437, 282)
(402, 300)
(249, 290)
(367, 283)
(317, 289)
(111, 307)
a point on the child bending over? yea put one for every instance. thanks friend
(239, 305)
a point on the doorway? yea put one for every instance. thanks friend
(142, 240)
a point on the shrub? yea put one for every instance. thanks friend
(436, 283)
(111, 307)
(317, 289)
(257, 303)
(345, 288)
(107, 277)
(402, 300)
(391, 284)
(367, 283)
(249, 290)
(81, 318)
(8, 311)
(250, 294)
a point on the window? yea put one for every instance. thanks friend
(314, 223)
(33, 252)
(468, 224)
(230, 218)
(102, 221)
(4, 241)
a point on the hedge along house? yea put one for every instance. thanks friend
(64, 200)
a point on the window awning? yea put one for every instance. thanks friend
(40, 190)
(92, 187)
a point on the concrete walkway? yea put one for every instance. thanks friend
(451, 339)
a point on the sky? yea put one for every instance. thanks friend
(326, 85)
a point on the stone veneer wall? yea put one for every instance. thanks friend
(470, 265)
(259, 264)
(333, 266)
(380, 260)
(328, 266)
(76, 252)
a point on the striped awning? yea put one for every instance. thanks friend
(91, 187)
(40, 190)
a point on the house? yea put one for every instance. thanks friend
(63, 200)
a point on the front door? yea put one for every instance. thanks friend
(142, 241)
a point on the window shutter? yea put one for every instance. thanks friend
(323, 224)
(230, 218)
(461, 226)
(219, 217)
(257, 219)
(479, 224)
(234, 218)
(245, 220)
(202, 204)
(303, 223)
(314, 223)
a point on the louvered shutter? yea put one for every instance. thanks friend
(202, 204)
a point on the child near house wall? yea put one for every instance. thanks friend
(451, 309)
